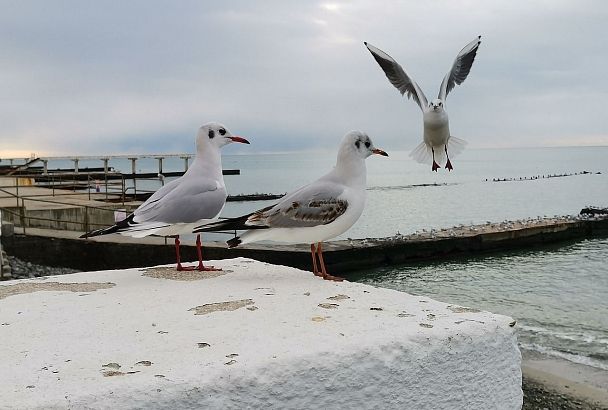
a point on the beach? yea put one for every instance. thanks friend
(550, 383)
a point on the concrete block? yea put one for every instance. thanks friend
(7, 229)
(251, 336)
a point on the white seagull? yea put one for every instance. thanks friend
(196, 197)
(436, 137)
(316, 212)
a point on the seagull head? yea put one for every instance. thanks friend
(215, 135)
(358, 144)
(436, 105)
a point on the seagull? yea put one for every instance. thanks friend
(196, 197)
(436, 137)
(314, 213)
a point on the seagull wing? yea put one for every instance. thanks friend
(319, 203)
(460, 69)
(183, 201)
(315, 204)
(397, 76)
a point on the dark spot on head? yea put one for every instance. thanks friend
(357, 144)
(211, 133)
(222, 131)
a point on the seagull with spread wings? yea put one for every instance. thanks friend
(314, 213)
(436, 137)
(196, 197)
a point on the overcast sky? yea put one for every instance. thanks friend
(116, 77)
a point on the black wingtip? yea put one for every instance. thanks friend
(234, 242)
(365, 42)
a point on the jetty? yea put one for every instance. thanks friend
(64, 248)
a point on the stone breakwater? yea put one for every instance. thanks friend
(63, 248)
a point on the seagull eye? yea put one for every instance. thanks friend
(367, 144)
(222, 131)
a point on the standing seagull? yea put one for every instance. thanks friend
(196, 197)
(316, 212)
(436, 137)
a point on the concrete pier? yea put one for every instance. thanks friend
(252, 336)
(63, 248)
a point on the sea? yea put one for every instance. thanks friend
(558, 294)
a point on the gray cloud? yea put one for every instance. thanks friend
(141, 76)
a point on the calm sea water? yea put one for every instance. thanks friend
(558, 295)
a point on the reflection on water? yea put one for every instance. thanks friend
(559, 296)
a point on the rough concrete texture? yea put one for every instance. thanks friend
(259, 336)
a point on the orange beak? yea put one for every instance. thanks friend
(380, 152)
(239, 139)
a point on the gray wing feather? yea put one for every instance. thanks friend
(183, 201)
(398, 77)
(312, 205)
(460, 69)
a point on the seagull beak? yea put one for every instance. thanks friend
(239, 139)
(379, 152)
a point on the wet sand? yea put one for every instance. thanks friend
(552, 383)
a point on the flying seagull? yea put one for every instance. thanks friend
(196, 197)
(316, 212)
(436, 137)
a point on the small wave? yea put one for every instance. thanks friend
(574, 358)
(575, 337)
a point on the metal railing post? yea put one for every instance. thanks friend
(86, 218)
(22, 214)
(17, 190)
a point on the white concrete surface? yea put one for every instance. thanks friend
(258, 336)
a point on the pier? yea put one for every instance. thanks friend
(36, 170)
(64, 248)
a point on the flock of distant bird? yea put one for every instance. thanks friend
(314, 213)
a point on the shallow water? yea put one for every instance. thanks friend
(558, 295)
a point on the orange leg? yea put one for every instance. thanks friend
(177, 257)
(199, 252)
(315, 270)
(326, 275)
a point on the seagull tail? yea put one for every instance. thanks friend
(234, 242)
(422, 153)
(456, 146)
(231, 224)
(124, 224)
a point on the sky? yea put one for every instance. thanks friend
(136, 77)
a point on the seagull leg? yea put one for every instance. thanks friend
(199, 252)
(435, 166)
(326, 275)
(315, 270)
(448, 164)
(179, 264)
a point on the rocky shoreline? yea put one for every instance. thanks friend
(539, 397)
(20, 269)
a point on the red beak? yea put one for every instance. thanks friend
(380, 152)
(239, 139)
